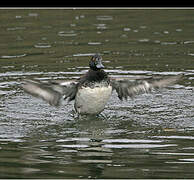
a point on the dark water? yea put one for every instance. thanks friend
(151, 136)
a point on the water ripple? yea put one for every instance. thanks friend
(15, 28)
(130, 141)
(12, 56)
(73, 146)
(94, 43)
(42, 45)
(84, 54)
(104, 18)
(138, 146)
(67, 33)
(175, 137)
(101, 26)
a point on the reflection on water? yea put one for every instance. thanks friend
(150, 136)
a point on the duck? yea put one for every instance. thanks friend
(92, 90)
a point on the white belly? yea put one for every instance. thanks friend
(92, 100)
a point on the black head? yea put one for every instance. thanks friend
(96, 62)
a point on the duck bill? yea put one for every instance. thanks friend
(100, 65)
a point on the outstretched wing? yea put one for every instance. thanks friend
(51, 91)
(126, 88)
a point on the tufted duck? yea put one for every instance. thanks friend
(92, 91)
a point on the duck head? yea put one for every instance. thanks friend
(96, 62)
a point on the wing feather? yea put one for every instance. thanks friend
(51, 91)
(127, 88)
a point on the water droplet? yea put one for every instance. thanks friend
(101, 26)
(142, 27)
(67, 33)
(166, 32)
(123, 36)
(72, 25)
(126, 29)
(18, 17)
(157, 41)
(82, 16)
(77, 17)
(143, 40)
(179, 30)
(33, 14)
